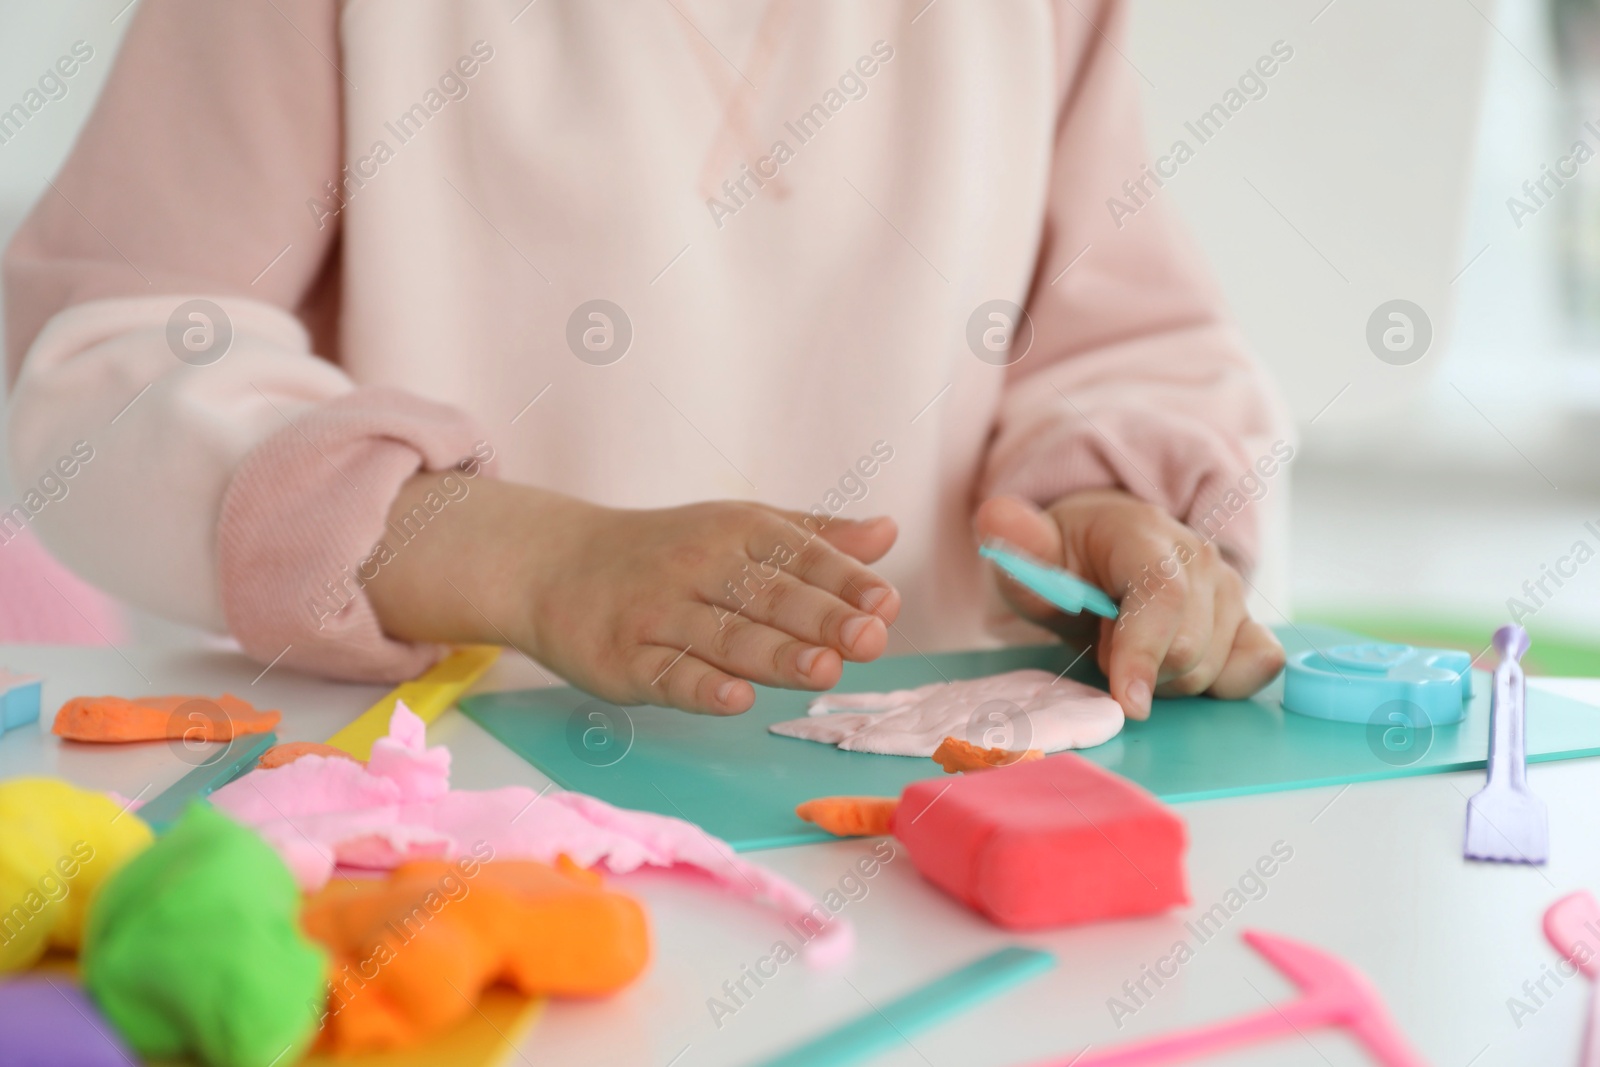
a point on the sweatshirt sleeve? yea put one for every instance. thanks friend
(189, 183)
(1135, 378)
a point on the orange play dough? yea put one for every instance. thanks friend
(289, 751)
(413, 951)
(850, 816)
(874, 816)
(117, 719)
(956, 755)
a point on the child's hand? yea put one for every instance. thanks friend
(681, 606)
(686, 606)
(1183, 628)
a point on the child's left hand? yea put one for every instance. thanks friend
(1176, 636)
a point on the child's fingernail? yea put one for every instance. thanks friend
(726, 691)
(1139, 693)
(874, 597)
(852, 630)
(808, 659)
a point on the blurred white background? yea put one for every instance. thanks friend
(1376, 167)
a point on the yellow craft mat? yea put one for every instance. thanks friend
(487, 1038)
(427, 696)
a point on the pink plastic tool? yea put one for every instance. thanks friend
(1572, 925)
(1333, 993)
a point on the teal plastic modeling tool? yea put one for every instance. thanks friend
(163, 809)
(1062, 588)
(876, 1031)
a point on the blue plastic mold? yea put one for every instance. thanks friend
(1352, 683)
(19, 700)
(1062, 588)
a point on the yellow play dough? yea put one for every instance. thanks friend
(58, 844)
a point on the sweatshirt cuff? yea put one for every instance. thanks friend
(1183, 469)
(304, 527)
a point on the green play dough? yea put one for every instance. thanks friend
(194, 948)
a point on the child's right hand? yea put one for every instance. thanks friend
(682, 606)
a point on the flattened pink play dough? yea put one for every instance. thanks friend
(1046, 713)
(321, 812)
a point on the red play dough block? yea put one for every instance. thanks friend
(1053, 842)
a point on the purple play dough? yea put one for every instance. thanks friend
(48, 1022)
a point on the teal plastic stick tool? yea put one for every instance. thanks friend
(876, 1031)
(1062, 588)
(240, 756)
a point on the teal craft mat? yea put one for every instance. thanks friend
(741, 783)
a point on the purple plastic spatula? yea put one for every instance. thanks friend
(1505, 822)
(1572, 925)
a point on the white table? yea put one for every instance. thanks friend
(1376, 877)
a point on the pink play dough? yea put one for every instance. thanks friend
(321, 812)
(1049, 843)
(1017, 710)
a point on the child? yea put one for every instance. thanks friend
(396, 324)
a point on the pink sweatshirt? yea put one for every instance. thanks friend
(799, 213)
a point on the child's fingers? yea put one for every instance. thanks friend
(864, 539)
(675, 678)
(818, 618)
(1020, 523)
(822, 565)
(1193, 640)
(1254, 660)
(1139, 643)
(754, 650)
(1228, 615)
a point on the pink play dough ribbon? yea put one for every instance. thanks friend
(321, 812)
(1016, 710)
